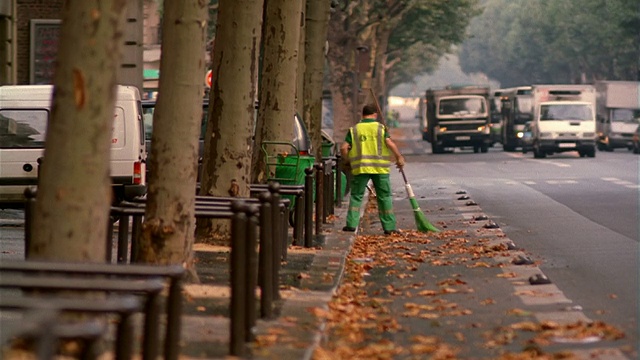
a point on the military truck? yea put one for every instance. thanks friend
(458, 117)
(617, 113)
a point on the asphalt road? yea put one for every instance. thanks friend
(577, 216)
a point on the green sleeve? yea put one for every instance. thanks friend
(348, 139)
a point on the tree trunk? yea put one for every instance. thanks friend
(343, 83)
(278, 82)
(74, 195)
(301, 67)
(228, 141)
(168, 230)
(317, 21)
(379, 77)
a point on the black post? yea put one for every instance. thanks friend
(252, 271)
(284, 220)
(298, 218)
(338, 180)
(319, 198)
(123, 239)
(308, 207)
(109, 244)
(327, 190)
(332, 187)
(265, 265)
(136, 230)
(174, 313)
(238, 276)
(29, 207)
(276, 237)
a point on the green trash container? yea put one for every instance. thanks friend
(291, 172)
(327, 148)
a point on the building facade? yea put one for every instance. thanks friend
(29, 35)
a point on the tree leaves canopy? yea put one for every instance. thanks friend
(542, 41)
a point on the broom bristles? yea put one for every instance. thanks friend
(422, 223)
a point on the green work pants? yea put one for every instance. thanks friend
(382, 185)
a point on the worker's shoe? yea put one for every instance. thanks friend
(349, 229)
(392, 232)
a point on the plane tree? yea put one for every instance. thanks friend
(74, 194)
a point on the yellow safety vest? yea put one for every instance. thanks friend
(369, 153)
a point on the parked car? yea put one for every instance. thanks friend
(25, 112)
(636, 141)
(300, 140)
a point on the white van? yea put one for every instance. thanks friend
(24, 115)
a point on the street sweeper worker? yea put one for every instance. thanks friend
(366, 149)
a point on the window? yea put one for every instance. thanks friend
(25, 128)
(461, 106)
(625, 115)
(565, 112)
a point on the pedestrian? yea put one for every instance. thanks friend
(366, 149)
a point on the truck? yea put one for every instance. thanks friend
(563, 120)
(458, 117)
(617, 113)
(495, 104)
(517, 103)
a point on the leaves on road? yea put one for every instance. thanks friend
(362, 319)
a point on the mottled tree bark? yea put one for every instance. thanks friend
(168, 230)
(278, 80)
(227, 157)
(317, 22)
(74, 194)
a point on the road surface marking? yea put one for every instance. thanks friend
(558, 182)
(550, 162)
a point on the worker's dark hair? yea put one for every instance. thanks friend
(369, 109)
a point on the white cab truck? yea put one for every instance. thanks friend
(25, 111)
(563, 120)
(617, 112)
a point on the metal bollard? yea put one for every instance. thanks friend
(29, 207)
(265, 265)
(238, 275)
(326, 167)
(284, 212)
(136, 233)
(332, 188)
(308, 207)
(252, 271)
(298, 226)
(319, 198)
(109, 244)
(338, 200)
(276, 237)
(123, 239)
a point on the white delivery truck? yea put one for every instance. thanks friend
(25, 112)
(617, 113)
(563, 120)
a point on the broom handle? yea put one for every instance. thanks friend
(375, 99)
(404, 176)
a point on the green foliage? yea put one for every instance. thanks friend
(543, 41)
(425, 33)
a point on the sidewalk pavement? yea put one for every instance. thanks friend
(311, 277)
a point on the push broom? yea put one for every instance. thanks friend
(422, 223)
